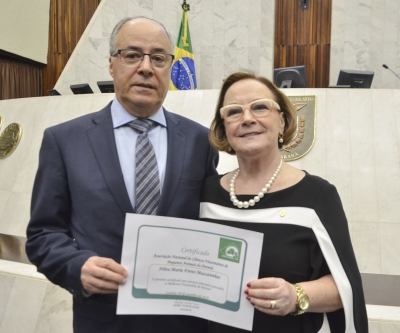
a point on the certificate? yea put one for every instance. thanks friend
(186, 267)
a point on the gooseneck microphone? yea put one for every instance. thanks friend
(386, 66)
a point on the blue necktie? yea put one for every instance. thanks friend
(147, 179)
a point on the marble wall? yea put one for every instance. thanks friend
(238, 34)
(226, 36)
(357, 148)
(47, 308)
(366, 34)
(29, 303)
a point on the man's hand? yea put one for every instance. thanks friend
(102, 275)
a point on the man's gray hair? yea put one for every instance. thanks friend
(118, 26)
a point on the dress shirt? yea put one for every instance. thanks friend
(125, 139)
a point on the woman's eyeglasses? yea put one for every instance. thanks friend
(259, 108)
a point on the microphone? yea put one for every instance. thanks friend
(386, 66)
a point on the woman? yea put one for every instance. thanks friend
(308, 279)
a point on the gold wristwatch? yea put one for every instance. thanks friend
(302, 302)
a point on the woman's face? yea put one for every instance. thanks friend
(251, 135)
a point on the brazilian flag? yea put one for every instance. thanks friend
(183, 75)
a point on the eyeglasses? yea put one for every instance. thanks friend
(131, 57)
(259, 108)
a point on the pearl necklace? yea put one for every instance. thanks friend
(252, 202)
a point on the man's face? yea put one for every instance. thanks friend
(141, 89)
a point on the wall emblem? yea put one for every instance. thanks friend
(9, 139)
(305, 135)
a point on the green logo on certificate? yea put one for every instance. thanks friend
(229, 249)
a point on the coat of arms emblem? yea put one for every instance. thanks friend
(305, 134)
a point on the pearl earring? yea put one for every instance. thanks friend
(280, 138)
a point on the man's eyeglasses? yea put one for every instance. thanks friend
(259, 108)
(131, 57)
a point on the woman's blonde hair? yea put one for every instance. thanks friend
(217, 133)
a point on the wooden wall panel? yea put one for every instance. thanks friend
(19, 78)
(68, 21)
(302, 37)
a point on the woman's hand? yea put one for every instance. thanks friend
(273, 296)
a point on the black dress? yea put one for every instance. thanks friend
(305, 237)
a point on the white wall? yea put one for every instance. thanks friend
(24, 28)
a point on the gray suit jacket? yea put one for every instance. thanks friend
(79, 203)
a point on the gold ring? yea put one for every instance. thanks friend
(273, 304)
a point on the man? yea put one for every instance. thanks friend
(86, 182)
